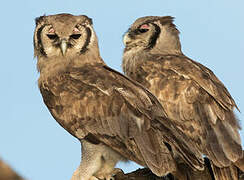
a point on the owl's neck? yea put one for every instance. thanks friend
(53, 66)
(132, 59)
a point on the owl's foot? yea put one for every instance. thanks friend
(116, 171)
(109, 177)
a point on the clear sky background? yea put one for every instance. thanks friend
(212, 32)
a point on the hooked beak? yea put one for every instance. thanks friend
(63, 46)
(127, 40)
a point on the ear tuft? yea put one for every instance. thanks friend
(87, 20)
(38, 20)
(167, 20)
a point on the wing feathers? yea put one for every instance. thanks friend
(155, 153)
(203, 76)
(226, 173)
(100, 103)
(197, 103)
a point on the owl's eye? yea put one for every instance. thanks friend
(75, 36)
(143, 28)
(52, 36)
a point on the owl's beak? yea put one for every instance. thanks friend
(127, 40)
(63, 46)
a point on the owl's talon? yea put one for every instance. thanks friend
(110, 178)
(117, 170)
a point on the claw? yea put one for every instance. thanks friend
(117, 170)
(114, 172)
(111, 178)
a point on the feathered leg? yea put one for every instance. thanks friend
(91, 162)
(98, 161)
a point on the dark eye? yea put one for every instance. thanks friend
(75, 36)
(52, 36)
(142, 30)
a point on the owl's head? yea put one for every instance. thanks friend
(153, 33)
(63, 35)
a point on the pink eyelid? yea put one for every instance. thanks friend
(76, 30)
(51, 30)
(144, 26)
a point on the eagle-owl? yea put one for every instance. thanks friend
(194, 99)
(114, 117)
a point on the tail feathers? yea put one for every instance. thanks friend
(225, 173)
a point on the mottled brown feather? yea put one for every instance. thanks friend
(188, 98)
(195, 100)
(99, 106)
(91, 99)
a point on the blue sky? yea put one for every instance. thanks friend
(30, 139)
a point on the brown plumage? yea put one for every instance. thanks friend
(194, 99)
(114, 117)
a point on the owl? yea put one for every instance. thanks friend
(195, 100)
(114, 117)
